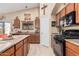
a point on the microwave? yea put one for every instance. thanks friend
(68, 19)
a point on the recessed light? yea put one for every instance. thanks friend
(25, 6)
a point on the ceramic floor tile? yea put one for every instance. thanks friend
(39, 50)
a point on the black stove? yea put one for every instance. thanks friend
(71, 34)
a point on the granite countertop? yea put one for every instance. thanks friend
(74, 41)
(8, 43)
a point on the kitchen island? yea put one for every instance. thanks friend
(18, 46)
(72, 47)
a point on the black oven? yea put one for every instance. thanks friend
(68, 19)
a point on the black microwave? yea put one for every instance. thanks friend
(68, 19)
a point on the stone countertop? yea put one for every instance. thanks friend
(4, 45)
(74, 41)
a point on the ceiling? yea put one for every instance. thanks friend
(12, 7)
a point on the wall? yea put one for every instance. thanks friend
(11, 16)
(53, 29)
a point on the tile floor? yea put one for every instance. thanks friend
(39, 50)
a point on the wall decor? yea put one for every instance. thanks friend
(53, 24)
(27, 16)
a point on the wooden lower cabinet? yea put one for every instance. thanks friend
(19, 49)
(34, 38)
(8, 52)
(70, 52)
(72, 49)
(19, 52)
(26, 48)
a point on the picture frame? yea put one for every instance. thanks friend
(53, 23)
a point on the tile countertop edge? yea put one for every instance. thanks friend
(73, 41)
(12, 42)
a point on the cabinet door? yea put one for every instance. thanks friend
(19, 52)
(17, 22)
(37, 23)
(57, 19)
(72, 49)
(37, 38)
(70, 52)
(25, 49)
(62, 12)
(8, 52)
(70, 7)
(77, 12)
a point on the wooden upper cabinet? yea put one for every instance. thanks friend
(37, 23)
(62, 12)
(70, 7)
(77, 12)
(16, 22)
(57, 19)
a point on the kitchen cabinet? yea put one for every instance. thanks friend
(16, 22)
(71, 49)
(19, 49)
(8, 52)
(19, 52)
(62, 12)
(70, 7)
(77, 12)
(26, 46)
(57, 19)
(34, 38)
(37, 23)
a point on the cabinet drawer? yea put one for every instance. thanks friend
(72, 47)
(18, 45)
(8, 52)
